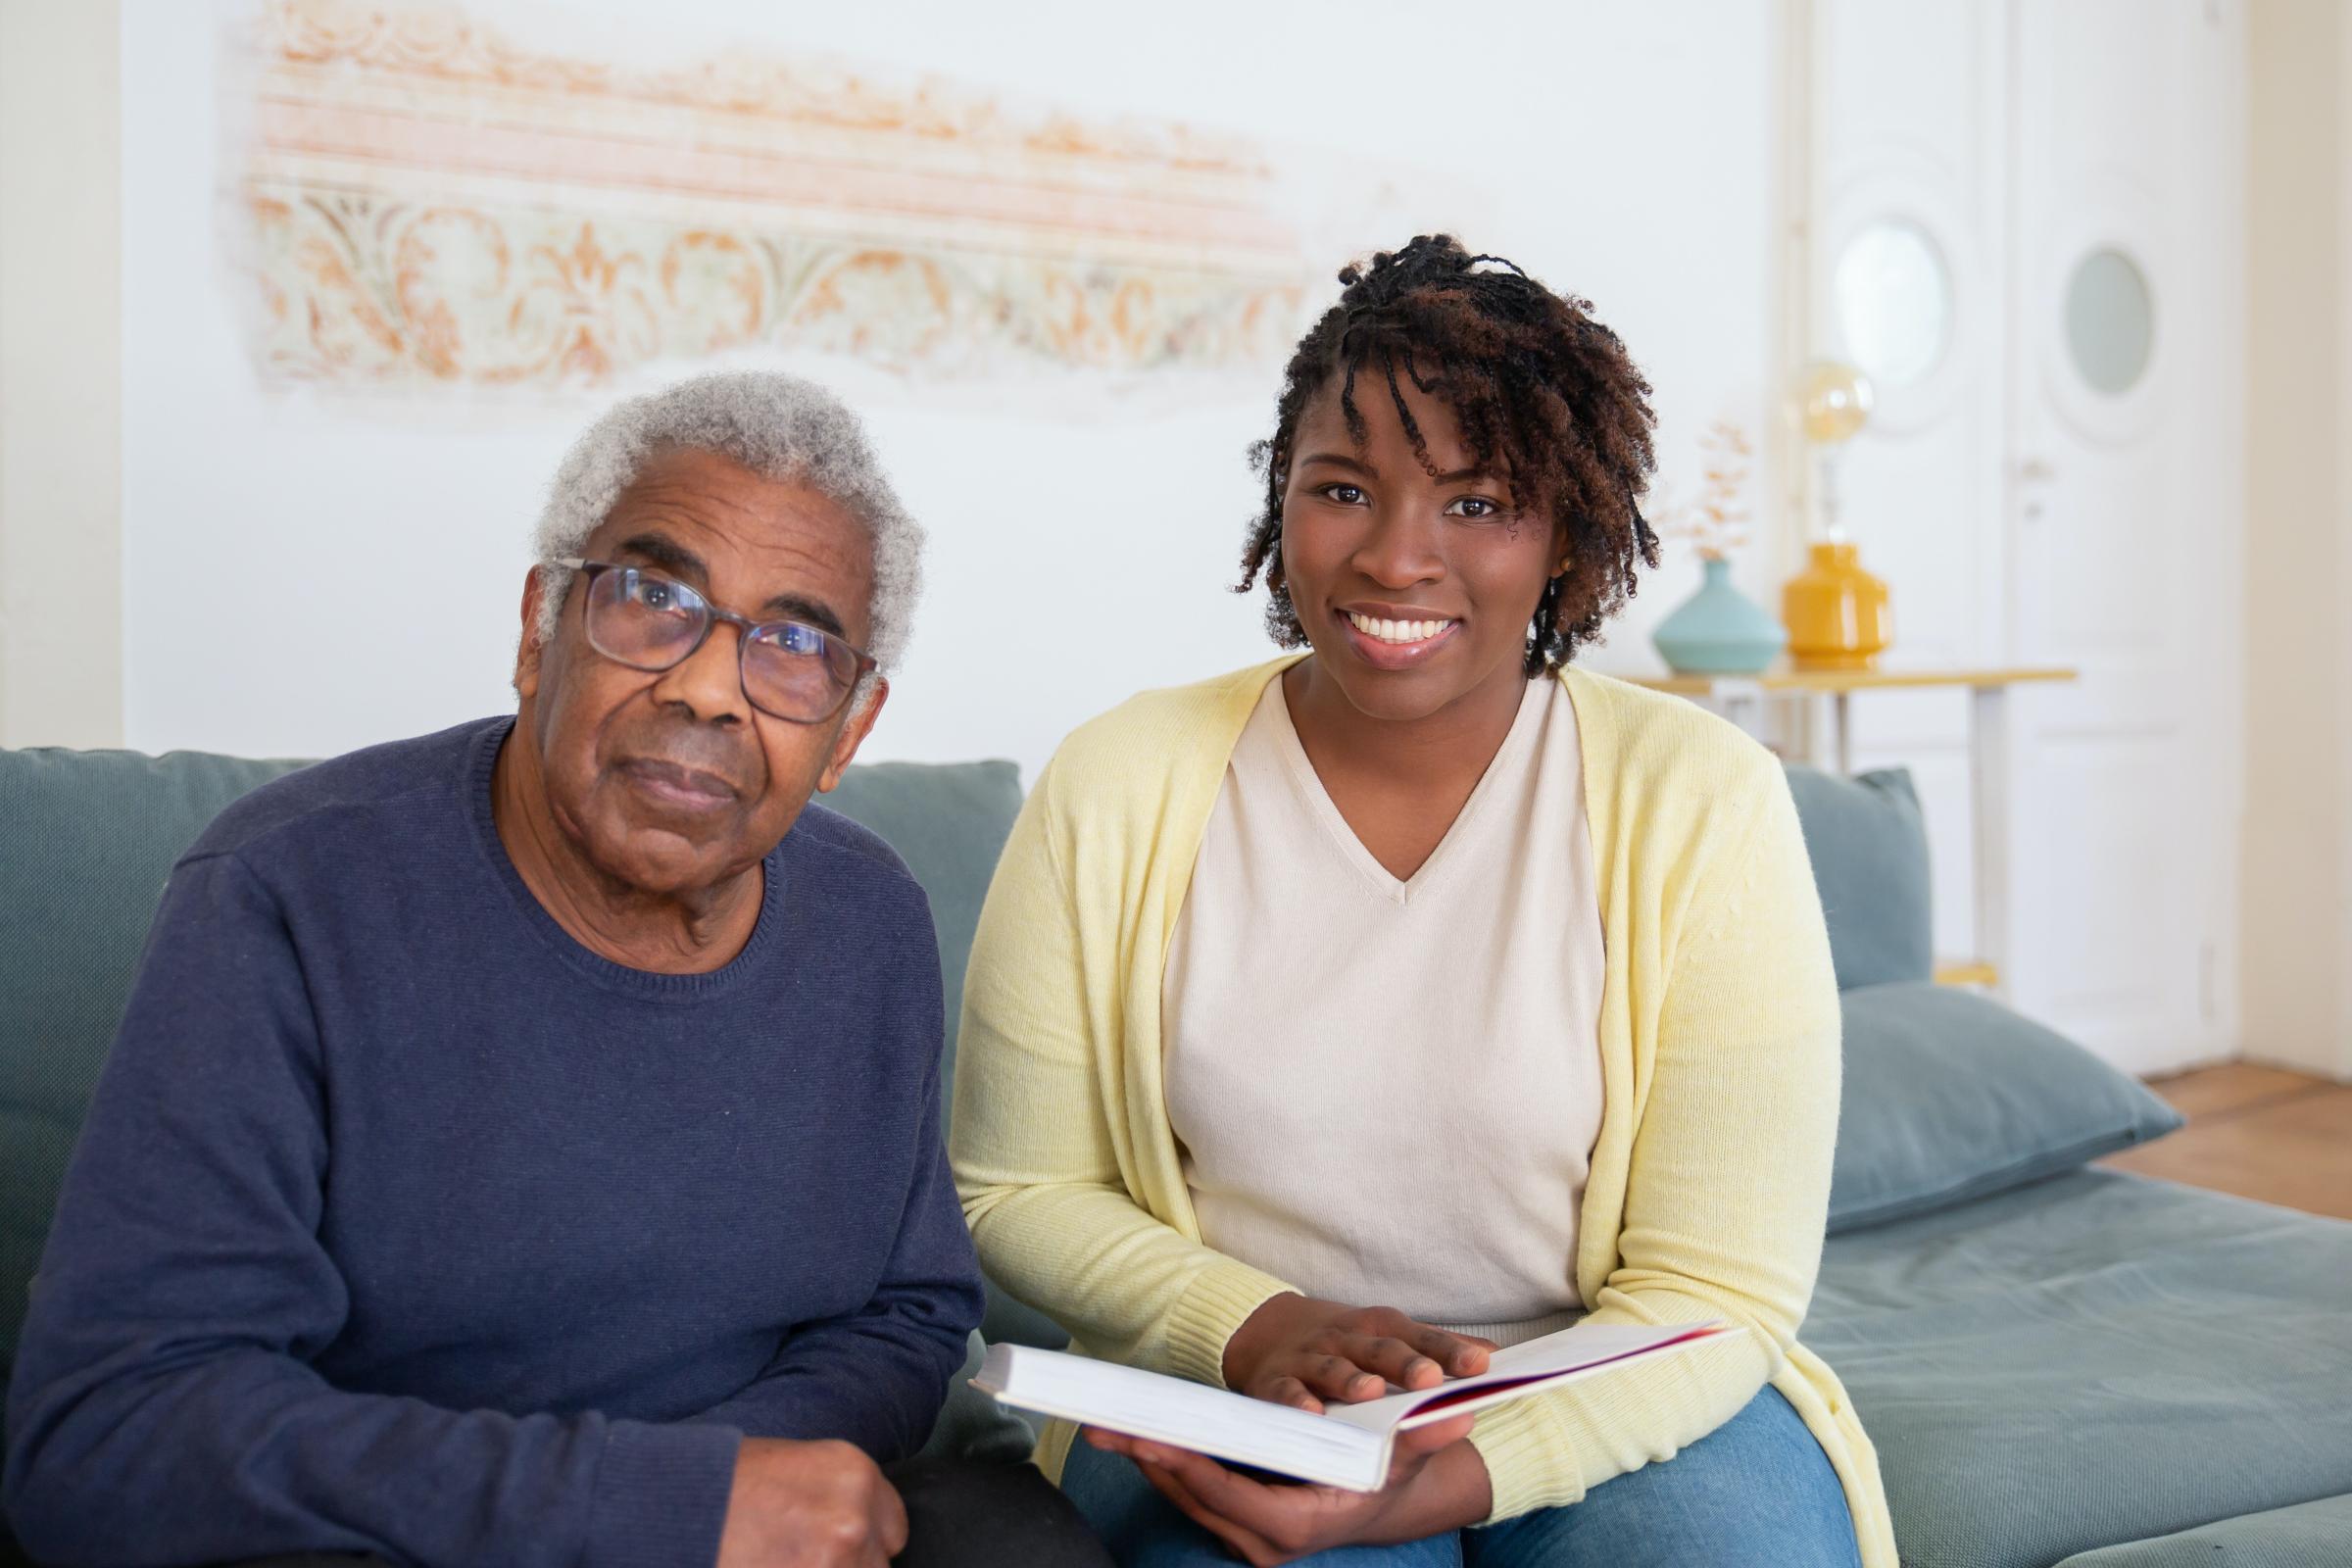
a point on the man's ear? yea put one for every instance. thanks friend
(853, 735)
(527, 652)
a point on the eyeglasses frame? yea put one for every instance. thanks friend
(746, 630)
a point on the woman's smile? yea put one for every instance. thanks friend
(1390, 638)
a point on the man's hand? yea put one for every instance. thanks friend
(810, 1505)
(1299, 1352)
(1437, 1481)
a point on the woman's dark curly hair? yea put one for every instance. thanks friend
(1548, 400)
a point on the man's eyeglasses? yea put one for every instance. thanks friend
(648, 621)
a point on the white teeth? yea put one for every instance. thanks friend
(1397, 631)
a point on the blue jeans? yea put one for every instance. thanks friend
(1757, 1489)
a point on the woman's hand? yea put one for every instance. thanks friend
(1299, 1352)
(1437, 1481)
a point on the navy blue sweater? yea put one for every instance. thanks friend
(403, 1223)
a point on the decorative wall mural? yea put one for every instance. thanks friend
(427, 203)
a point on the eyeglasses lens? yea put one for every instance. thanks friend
(643, 621)
(796, 671)
(651, 622)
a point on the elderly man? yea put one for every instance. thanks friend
(521, 1146)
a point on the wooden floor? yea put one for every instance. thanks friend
(2260, 1132)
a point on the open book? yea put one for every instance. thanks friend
(1348, 1444)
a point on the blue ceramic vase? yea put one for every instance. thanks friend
(1719, 630)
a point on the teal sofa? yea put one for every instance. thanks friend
(2058, 1363)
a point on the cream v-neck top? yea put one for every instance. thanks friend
(1386, 1092)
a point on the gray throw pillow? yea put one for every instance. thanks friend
(1869, 846)
(1949, 1095)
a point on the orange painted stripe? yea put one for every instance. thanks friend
(785, 177)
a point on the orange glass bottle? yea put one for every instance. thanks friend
(1837, 612)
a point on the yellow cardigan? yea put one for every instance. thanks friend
(1719, 1040)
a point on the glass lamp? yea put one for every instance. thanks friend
(1837, 614)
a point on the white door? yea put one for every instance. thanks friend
(2125, 505)
(1909, 108)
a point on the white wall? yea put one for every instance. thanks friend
(61, 619)
(303, 573)
(2297, 912)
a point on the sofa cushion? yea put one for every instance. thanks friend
(1869, 845)
(1949, 1095)
(2093, 1358)
(2310, 1534)
(949, 822)
(89, 838)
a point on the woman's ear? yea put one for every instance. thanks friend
(1563, 554)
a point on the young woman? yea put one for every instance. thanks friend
(1334, 1023)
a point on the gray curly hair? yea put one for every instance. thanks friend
(776, 425)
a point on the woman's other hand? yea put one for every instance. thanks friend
(1299, 1352)
(1437, 1481)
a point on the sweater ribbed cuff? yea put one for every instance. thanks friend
(1212, 1307)
(662, 1495)
(1526, 1455)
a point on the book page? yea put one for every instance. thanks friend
(1555, 1358)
